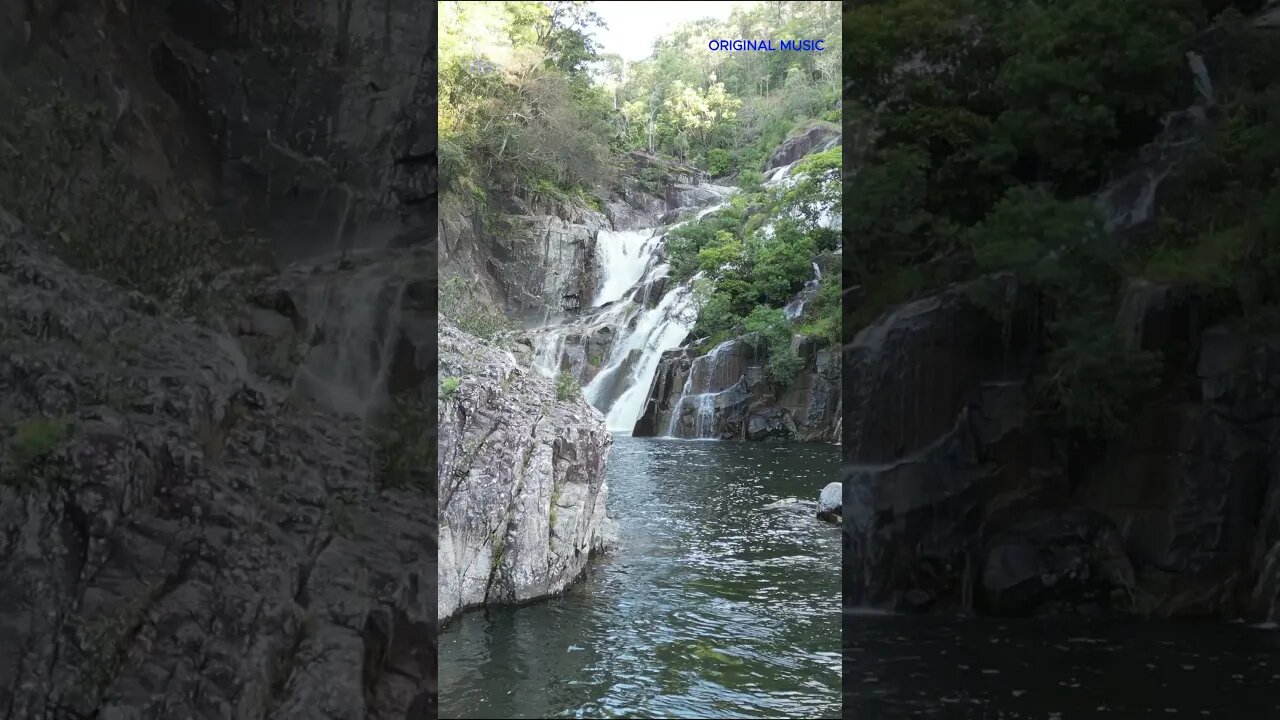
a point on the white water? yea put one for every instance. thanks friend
(622, 256)
(349, 370)
(657, 330)
(795, 308)
(695, 393)
(628, 261)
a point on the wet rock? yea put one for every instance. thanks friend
(711, 415)
(680, 214)
(680, 196)
(910, 373)
(829, 502)
(650, 294)
(1070, 556)
(770, 424)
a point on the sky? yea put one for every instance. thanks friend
(633, 26)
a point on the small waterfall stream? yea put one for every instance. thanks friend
(795, 308)
(355, 320)
(697, 394)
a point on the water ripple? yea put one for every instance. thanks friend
(713, 606)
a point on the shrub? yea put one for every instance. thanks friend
(566, 386)
(406, 444)
(460, 302)
(56, 179)
(33, 440)
(719, 162)
(449, 386)
(769, 325)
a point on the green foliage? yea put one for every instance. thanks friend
(55, 176)
(719, 161)
(1060, 251)
(406, 444)
(724, 255)
(517, 108)
(990, 115)
(449, 386)
(728, 110)
(771, 330)
(461, 303)
(1057, 247)
(1082, 74)
(822, 314)
(1092, 377)
(566, 386)
(33, 440)
(1220, 234)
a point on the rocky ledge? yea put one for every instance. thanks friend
(522, 486)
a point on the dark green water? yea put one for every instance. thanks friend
(713, 605)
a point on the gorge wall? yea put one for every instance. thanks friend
(201, 514)
(956, 495)
(310, 123)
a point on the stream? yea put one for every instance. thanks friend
(722, 599)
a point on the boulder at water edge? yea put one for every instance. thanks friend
(830, 501)
(522, 488)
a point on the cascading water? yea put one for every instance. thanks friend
(634, 360)
(358, 318)
(697, 394)
(623, 256)
(795, 308)
(628, 261)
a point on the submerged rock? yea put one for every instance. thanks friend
(522, 486)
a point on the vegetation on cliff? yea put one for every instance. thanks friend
(993, 121)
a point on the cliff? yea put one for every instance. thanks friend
(522, 486)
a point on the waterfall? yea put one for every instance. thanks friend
(622, 256)
(548, 348)
(697, 394)
(1129, 200)
(632, 272)
(357, 321)
(657, 330)
(795, 308)
(1200, 72)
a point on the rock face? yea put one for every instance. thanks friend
(725, 394)
(1177, 516)
(309, 122)
(531, 265)
(183, 536)
(817, 137)
(522, 488)
(538, 260)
